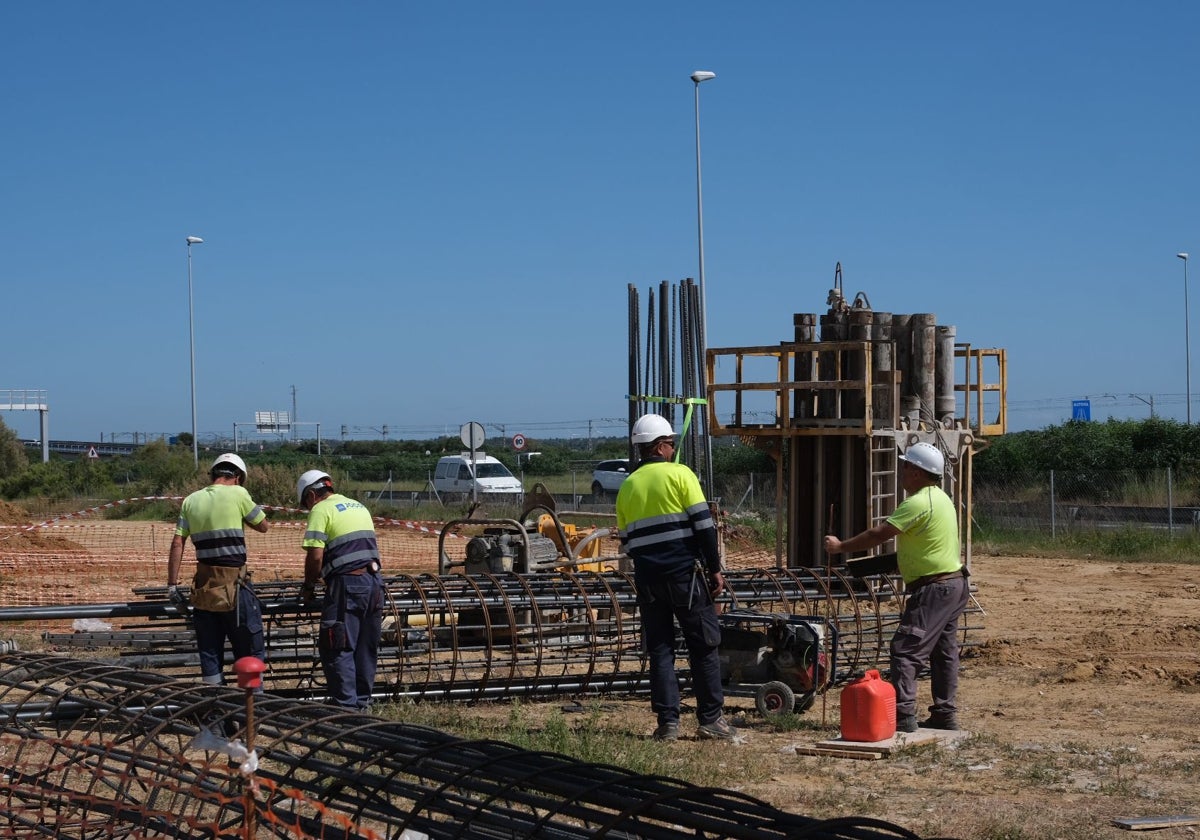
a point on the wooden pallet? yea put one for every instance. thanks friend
(875, 750)
(1154, 823)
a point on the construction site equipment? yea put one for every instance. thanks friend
(503, 545)
(835, 411)
(536, 541)
(91, 750)
(783, 661)
(489, 636)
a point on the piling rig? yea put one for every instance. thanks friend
(834, 411)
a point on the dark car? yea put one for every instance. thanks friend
(607, 478)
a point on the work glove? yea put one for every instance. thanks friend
(308, 594)
(176, 597)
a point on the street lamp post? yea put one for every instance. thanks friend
(1187, 342)
(698, 77)
(192, 240)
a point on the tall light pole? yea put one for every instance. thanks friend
(698, 77)
(192, 240)
(1187, 342)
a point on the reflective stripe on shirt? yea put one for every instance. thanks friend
(226, 547)
(345, 530)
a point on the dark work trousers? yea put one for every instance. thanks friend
(928, 632)
(355, 601)
(684, 598)
(243, 628)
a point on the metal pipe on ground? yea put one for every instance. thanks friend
(493, 636)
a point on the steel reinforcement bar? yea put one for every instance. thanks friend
(472, 637)
(91, 750)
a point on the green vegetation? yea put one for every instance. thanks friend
(590, 732)
(1088, 454)
(1126, 544)
(1112, 445)
(158, 469)
(1018, 480)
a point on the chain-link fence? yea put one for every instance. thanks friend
(1058, 503)
(1053, 503)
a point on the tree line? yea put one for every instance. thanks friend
(1113, 445)
(162, 469)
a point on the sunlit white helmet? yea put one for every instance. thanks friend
(925, 456)
(649, 428)
(309, 480)
(226, 464)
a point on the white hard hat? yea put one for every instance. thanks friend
(649, 428)
(925, 456)
(228, 458)
(310, 478)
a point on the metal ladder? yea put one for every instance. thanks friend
(882, 492)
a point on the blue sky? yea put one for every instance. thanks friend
(418, 214)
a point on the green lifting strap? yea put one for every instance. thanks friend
(690, 402)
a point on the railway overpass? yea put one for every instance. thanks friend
(85, 448)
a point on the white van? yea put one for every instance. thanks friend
(453, 475)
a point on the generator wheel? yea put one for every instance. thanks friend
(774, 699)
(805, 701)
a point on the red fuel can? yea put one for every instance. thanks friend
(868, 709)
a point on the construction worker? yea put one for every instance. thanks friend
(224, 601)
(340, 548)
(667, 528)
(935, 580)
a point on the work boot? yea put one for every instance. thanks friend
(718, 730)
(941, 721)
(667, 731)
(906, 723)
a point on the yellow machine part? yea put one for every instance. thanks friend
(547, 528)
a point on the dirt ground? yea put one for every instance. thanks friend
(1082, 704)
(1081, 697)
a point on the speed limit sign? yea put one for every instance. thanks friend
(518, 442)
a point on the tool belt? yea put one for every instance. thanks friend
(215, 588)
(928, 579)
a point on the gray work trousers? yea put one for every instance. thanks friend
(928, 633)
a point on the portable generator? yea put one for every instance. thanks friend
(783, 661)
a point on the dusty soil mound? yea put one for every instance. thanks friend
(16, 540)
(11, 514)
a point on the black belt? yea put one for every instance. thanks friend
(934, 578)
(373, 567)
